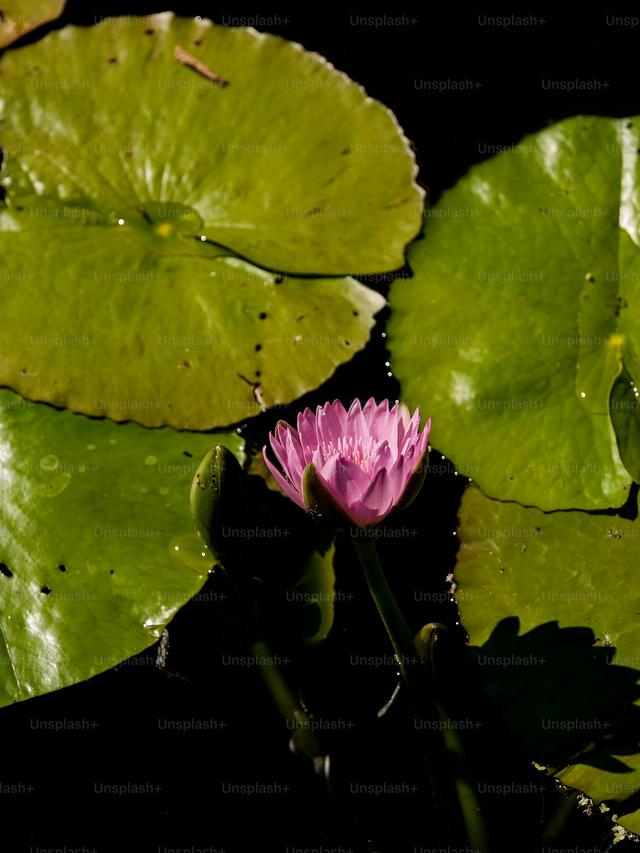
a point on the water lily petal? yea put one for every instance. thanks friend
(280, 453)
(376, 501)
(308, 433)
(328, 423)
(379, 421)
(357, 428)
(383, 458)
(287, 487)
(345, 480)
(295, 458)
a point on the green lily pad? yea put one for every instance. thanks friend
(192, 342)
(283, 159)
(523, 311)
(18, 17)
(562, 576)
(118, 297)
(98, 549)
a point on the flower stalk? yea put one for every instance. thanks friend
(411, 667)
(452, 787)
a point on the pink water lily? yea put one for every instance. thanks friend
(358, 464)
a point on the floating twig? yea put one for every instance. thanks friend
(192, 62)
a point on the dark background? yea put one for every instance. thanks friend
(122, 740)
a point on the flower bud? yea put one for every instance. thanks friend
(218, 501)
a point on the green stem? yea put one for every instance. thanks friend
(295, 716)
(406, 653)
(417, 668)
(466, 789)
(564, 811)
(427, 642)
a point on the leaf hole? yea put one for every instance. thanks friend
(262, 315)
(6, 571)
(149, 32)
(258, 347)
(186, 453)
(62, 567)
(46, 590)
